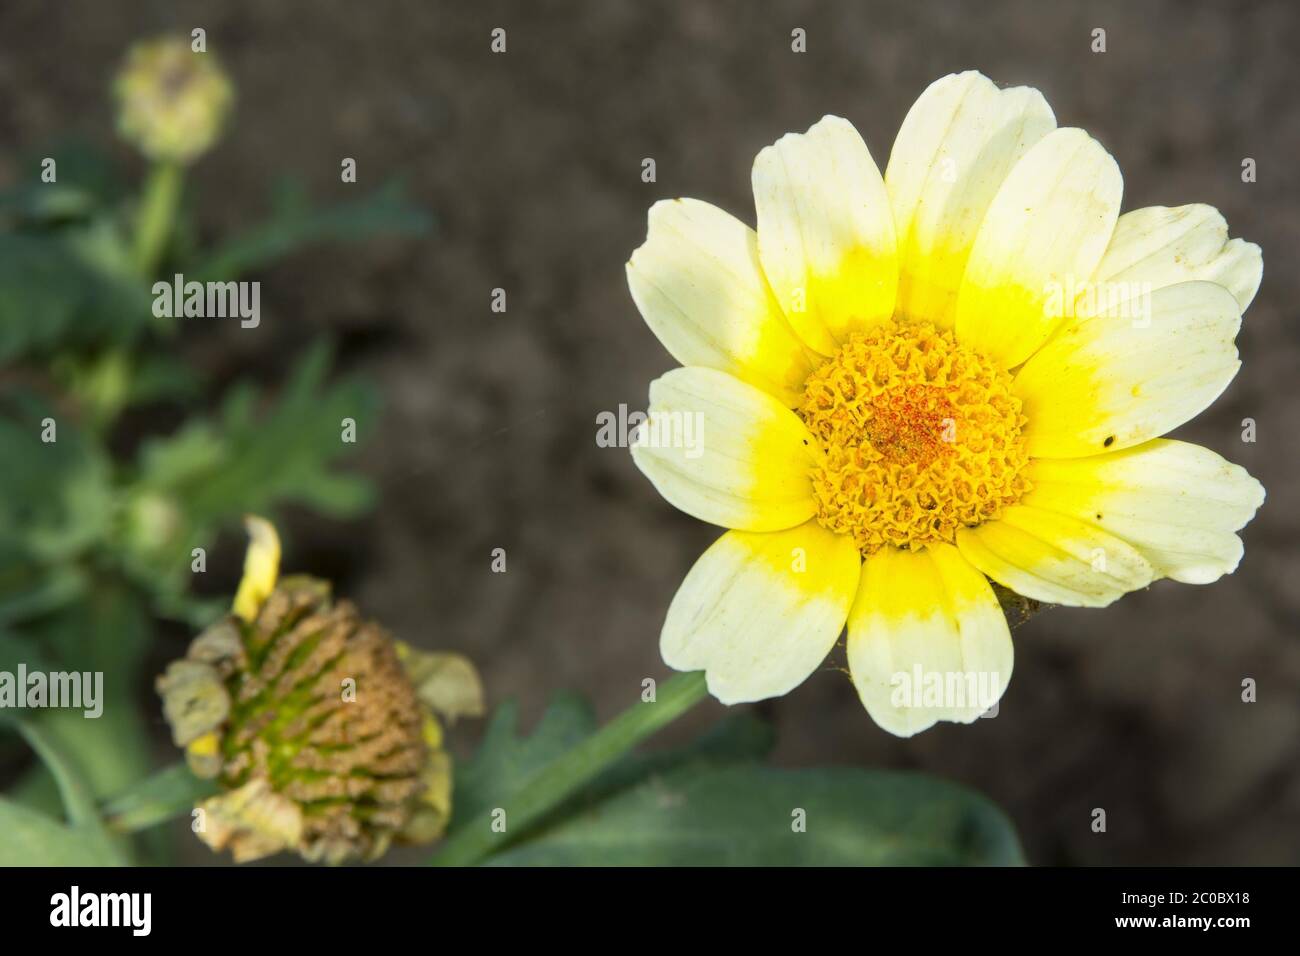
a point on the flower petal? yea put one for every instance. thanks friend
(1055, 558)
(1130, 374)
(261, 567)
(1045, 232)
(759, 612)
(927, 640)
(953, 151)
(1177, 503)
(699, 285)
(826, 232)
(727, 452)
(1158, 246)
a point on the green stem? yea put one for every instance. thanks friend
(153, 228)
(560, 779)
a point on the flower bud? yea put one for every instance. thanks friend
(172, 101)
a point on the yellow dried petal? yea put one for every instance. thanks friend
(448, 683)
(253, 821)
(261, 567)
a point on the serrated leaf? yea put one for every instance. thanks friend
(745, 816)
(254, 457)
(252, 463)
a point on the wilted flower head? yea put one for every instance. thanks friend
(172, 101)
(318, 725)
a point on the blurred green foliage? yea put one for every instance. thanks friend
(97, 543)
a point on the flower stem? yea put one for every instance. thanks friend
(561, 778)
(162, 194)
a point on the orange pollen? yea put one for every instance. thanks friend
(920, 436)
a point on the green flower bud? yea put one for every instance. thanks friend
(172, 102)
(319, 726)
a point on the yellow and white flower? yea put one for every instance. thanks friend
(913, 384)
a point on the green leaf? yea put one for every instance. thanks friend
(87, 180)
(27, 592)
(29, 838)
(15, 650)
(745, 815)
(504, 760)
(107, 632)
(78, 802)
(739, 737)
(254, 457)
(56, 501)
(169, 793)
(52, 298)
(294, 224)
(159, 377)
(245, 462)
(36, 789)
(55, 496)
(46, 203)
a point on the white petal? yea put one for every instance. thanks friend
(927, 640)
(1042, 237)
(727, 452)
(1130, 374)
(699, 285)
(1177, 503)
(759, 612)
(953, 151)
(1158, 246)
(826, 232)
(1055, 558)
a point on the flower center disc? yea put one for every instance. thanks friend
(921, 436)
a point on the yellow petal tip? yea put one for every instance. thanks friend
(261, 567)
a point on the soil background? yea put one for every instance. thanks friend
(531, 163)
